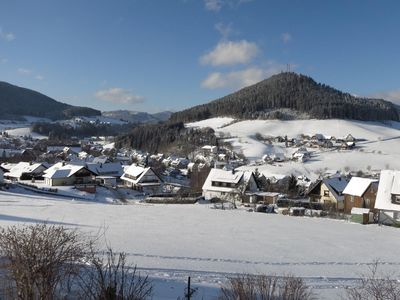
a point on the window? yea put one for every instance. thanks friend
(326, 193)
(395, 199)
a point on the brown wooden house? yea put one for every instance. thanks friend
(361, 193)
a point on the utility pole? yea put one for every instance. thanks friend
(188, 288)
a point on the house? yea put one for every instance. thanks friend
(143, 179)
(229, 184)
(301, 154)
(329, 191)
(26, 171)
(267, 197)
(360, 193)
(388, 196)
(208, 149)
(62, 174)
(106, 169)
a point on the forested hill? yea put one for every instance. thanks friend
(17, 101)
(294, 93)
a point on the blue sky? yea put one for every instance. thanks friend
(150, 55)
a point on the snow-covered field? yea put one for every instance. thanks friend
(171, 242)
(379, 150)
(25, 131)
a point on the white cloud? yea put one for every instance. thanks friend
(24, 71)
(286, 37)
(231, 53)
(7, 36)
(393, 96)
(241, 78)
(213, 5)
(224, 29)
(118, 95)
(39, 77)
(216, 5)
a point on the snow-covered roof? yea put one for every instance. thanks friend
(389, 184)
(134, 170)
(225, 176)
(105, 168)
(63, 171)
(358, 186)
(24, 168)
(228, 177)
(134, 174)
(338, 183)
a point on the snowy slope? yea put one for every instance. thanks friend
(170, 242)
(25, 131)
(379, 150)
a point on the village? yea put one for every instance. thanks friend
(93, 169)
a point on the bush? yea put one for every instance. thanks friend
(41, 258)
(108, 277)
(375, 286)
(264, 287)
(51, 262)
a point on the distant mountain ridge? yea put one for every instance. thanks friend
(286, 95)
(17, 101)
(138, 117)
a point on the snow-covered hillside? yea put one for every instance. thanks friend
(25, 131)
(379, 148)
(171, 242)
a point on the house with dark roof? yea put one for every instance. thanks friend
(329, 191)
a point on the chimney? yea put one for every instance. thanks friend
(233, 171)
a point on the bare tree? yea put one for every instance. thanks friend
(375, 286)
(40, 258)
(109, 277)
(264, 287)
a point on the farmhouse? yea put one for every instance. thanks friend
(360, 193)
(63, 175)
(229, 184)
(329, 191)
(388, 196)
(143, 179)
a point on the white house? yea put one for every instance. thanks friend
(229, 184)
(142, 179)
(61, 175)
(388, 196)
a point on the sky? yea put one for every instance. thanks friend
(148, 55)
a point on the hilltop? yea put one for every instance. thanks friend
(291, 96)
(137, 117)
(16, 102)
